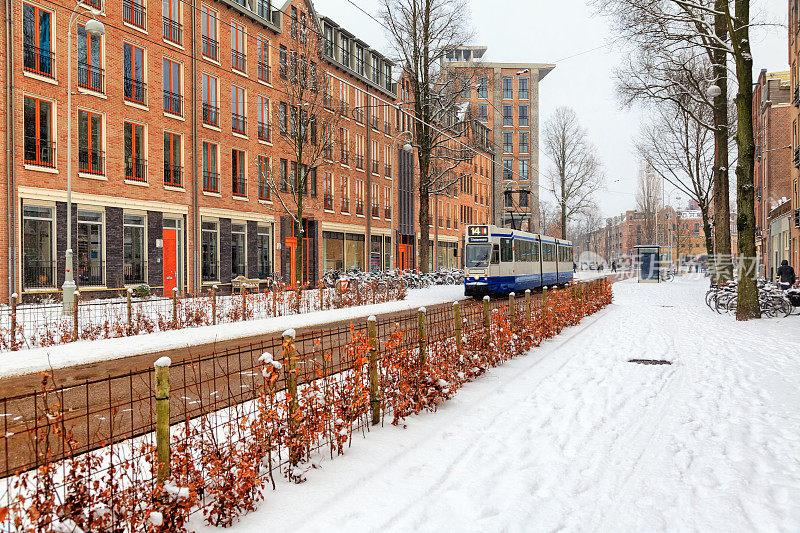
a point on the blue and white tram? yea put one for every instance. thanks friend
(501, 260)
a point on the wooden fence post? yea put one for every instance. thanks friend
(128, 294)
(75, 315)
(374, 402)
(422, 327)
(14, 321)
(544, 304)
(528, 304)
(214, 305)
(487, 319)
(511, 297)
(162, 418)
(244, 303)
(290, 364)
(458, 324)
(174, 307)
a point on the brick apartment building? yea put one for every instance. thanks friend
(772, 175)
(506, 98)
(794, 59)
(177, 121)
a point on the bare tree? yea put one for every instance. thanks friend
(306, 128)
(648, 200)
(681, 151)
(576, 173)
(421, 32)
(549, 217)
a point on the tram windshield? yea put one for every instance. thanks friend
(478, 255)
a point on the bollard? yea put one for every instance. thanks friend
(162, 418)
(487, 319)
(528, 304)
(14, 321)
(511, 297)
(75, 308)
(130, 310)
(422, 327)
(544, 304)
(290, 365)
(214, 305)
(174, 307)
(374, 402)
(244, 303)
(458, 324)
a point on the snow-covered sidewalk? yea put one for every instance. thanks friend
(573, 437)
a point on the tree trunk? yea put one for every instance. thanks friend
(722, 269)
(747, 306)
(563, 209)
(707, 231)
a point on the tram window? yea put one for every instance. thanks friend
(535, 252)
(496, 254)
(521, 251)
(506, 250)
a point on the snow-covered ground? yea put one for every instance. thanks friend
(42, 359)
(573, 437)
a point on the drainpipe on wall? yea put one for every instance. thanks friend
(368, 170)
(196, 224)
(11, 186)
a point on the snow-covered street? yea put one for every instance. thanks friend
(574, 437)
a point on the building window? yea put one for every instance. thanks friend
(38, 266)
(133, 12)
(134, 267)
(359, 197)
(483, 112)
(91, 157)
(263, 177)
(508, 117)
(388, 76)
(508, 142)
(327, 185)
(210, 106)
(523, 115)
(264, 243)
(387, 202)
(90, 248)
(238, 250)
(283, 118)
(209, 251)
(344, 50)
(238, 173)
(208, 30)
(360, 60)
(238, 53)
(483, 87)
(523, 88)
(263, 118)
(173, 101)
(210, 175)
(345, 192)
(134, 88)
(283, 62)
(523, 197)
(328, 35)
(524, 165)
(262, 51)
(36, 38)
(374, 201)
(507, 169)
(523, 142)
(90, 61)
(39, 148)
(171, 14)
(508, 90)
(284, 175)
(238, 123)
(135, 161)
(173, 166)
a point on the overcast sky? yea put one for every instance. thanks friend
(566, 32)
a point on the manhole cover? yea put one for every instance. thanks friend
(667, 306)
(650, 361)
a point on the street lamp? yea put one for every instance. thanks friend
(93, 27)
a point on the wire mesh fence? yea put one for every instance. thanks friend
(85, 455)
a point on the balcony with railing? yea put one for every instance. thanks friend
(40, 152)
(239, 187)
(387, 170)
(134, 90)
(173, 175)
(264, 131)
(359, 161)
(359, 207)
(136, 169)
(134, 13)
(173, 30)
(91, 161)
(375, 167)
(38, 60)
(38, 273)
(210, 114)
(327, 202)
(173, 103)
(238, 123)
(264, 72)
(345, 156)
(345, 205)
(210, 181)
(90, 77)
(238, 60)
(375, 211)
(387, 212)
(210, 48)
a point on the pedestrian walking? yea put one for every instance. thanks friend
(786, 275)
(613, 266)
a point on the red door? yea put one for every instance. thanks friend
(291, 246)
(170, 263)
(402, 261)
